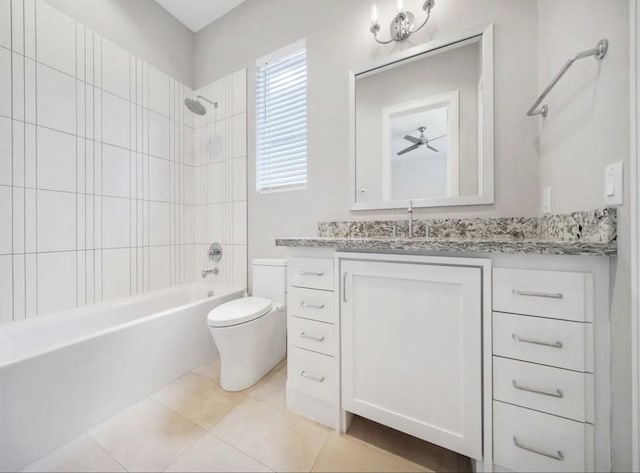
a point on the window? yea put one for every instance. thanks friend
(281, 120)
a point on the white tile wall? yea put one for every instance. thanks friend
(5, 151)
(55, 38)
(56, 168)
(56, 281)
(5, 82)
(97, 168)
(5, 24)
(6, 289)
(6, 217)
(115, 70)
(221, 180)
(56, 99)
(116, 171)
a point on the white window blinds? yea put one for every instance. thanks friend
(281, 120)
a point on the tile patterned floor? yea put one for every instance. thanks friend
(192, 425)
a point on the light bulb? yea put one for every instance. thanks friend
(374, 14)
(400, 5)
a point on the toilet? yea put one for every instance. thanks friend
(250, 333)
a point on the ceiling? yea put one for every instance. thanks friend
(196, 14)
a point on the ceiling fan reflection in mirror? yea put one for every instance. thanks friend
(422, 140)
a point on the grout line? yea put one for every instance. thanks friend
(35, 12)
(239, 450)
(24, 169)
(105, 451)
(326, 441)
(76, 169)
(102, 174)
(13, 287)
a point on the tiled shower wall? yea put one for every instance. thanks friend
(97, 169)
(221, 179)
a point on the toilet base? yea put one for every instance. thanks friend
(249, 351)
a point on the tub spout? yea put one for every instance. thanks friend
(207, 272)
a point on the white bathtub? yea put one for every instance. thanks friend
(64, 373)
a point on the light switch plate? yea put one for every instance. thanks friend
(546, 200)
(613, 184)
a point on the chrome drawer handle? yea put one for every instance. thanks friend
(546, 295)
(312, 306)
(319, 379)
(557, 455)
(536, 342)
(311, 337)
(311, 273)
(553, 392)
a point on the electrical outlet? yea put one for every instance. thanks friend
(546, 200)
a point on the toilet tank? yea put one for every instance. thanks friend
(270, 279)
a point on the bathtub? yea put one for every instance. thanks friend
(64, 373)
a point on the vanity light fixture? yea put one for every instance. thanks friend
(402, 26)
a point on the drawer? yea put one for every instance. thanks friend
(525, 440)
(551, 390)
(546, 341)
(311, 304)
(312, 335)
(315, 273)
(553, 294)
(312, 374)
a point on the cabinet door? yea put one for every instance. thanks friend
(411, 349)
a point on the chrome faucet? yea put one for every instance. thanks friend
(207, 272)
(410, 211)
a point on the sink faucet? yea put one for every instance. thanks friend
(207, 272)
(410, 211)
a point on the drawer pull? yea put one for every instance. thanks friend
(311, 337)
(557, 455)
(546, 295)
(553, 392)
(311, 306)
(311, 273)
(319, 379)
(537, 342)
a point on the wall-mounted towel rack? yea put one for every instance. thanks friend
(599, 52)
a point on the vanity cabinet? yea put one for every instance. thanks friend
(503, 359)
(411, 349)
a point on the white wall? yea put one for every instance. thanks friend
(142, 27)
(96, 165)
(588, 128)
(338, 39)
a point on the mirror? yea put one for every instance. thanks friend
(422, 126)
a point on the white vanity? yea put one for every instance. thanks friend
(500, 357)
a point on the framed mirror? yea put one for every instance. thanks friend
(422, 126)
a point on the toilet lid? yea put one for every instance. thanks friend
(238, 311)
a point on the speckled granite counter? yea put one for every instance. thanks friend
(590, 233)
(454, 245)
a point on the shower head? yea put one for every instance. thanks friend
(196, 105)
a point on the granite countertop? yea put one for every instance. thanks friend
(590, 233)
(454, 245)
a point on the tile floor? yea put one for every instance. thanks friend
(192, 425)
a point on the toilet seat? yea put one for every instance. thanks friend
(239, 311)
